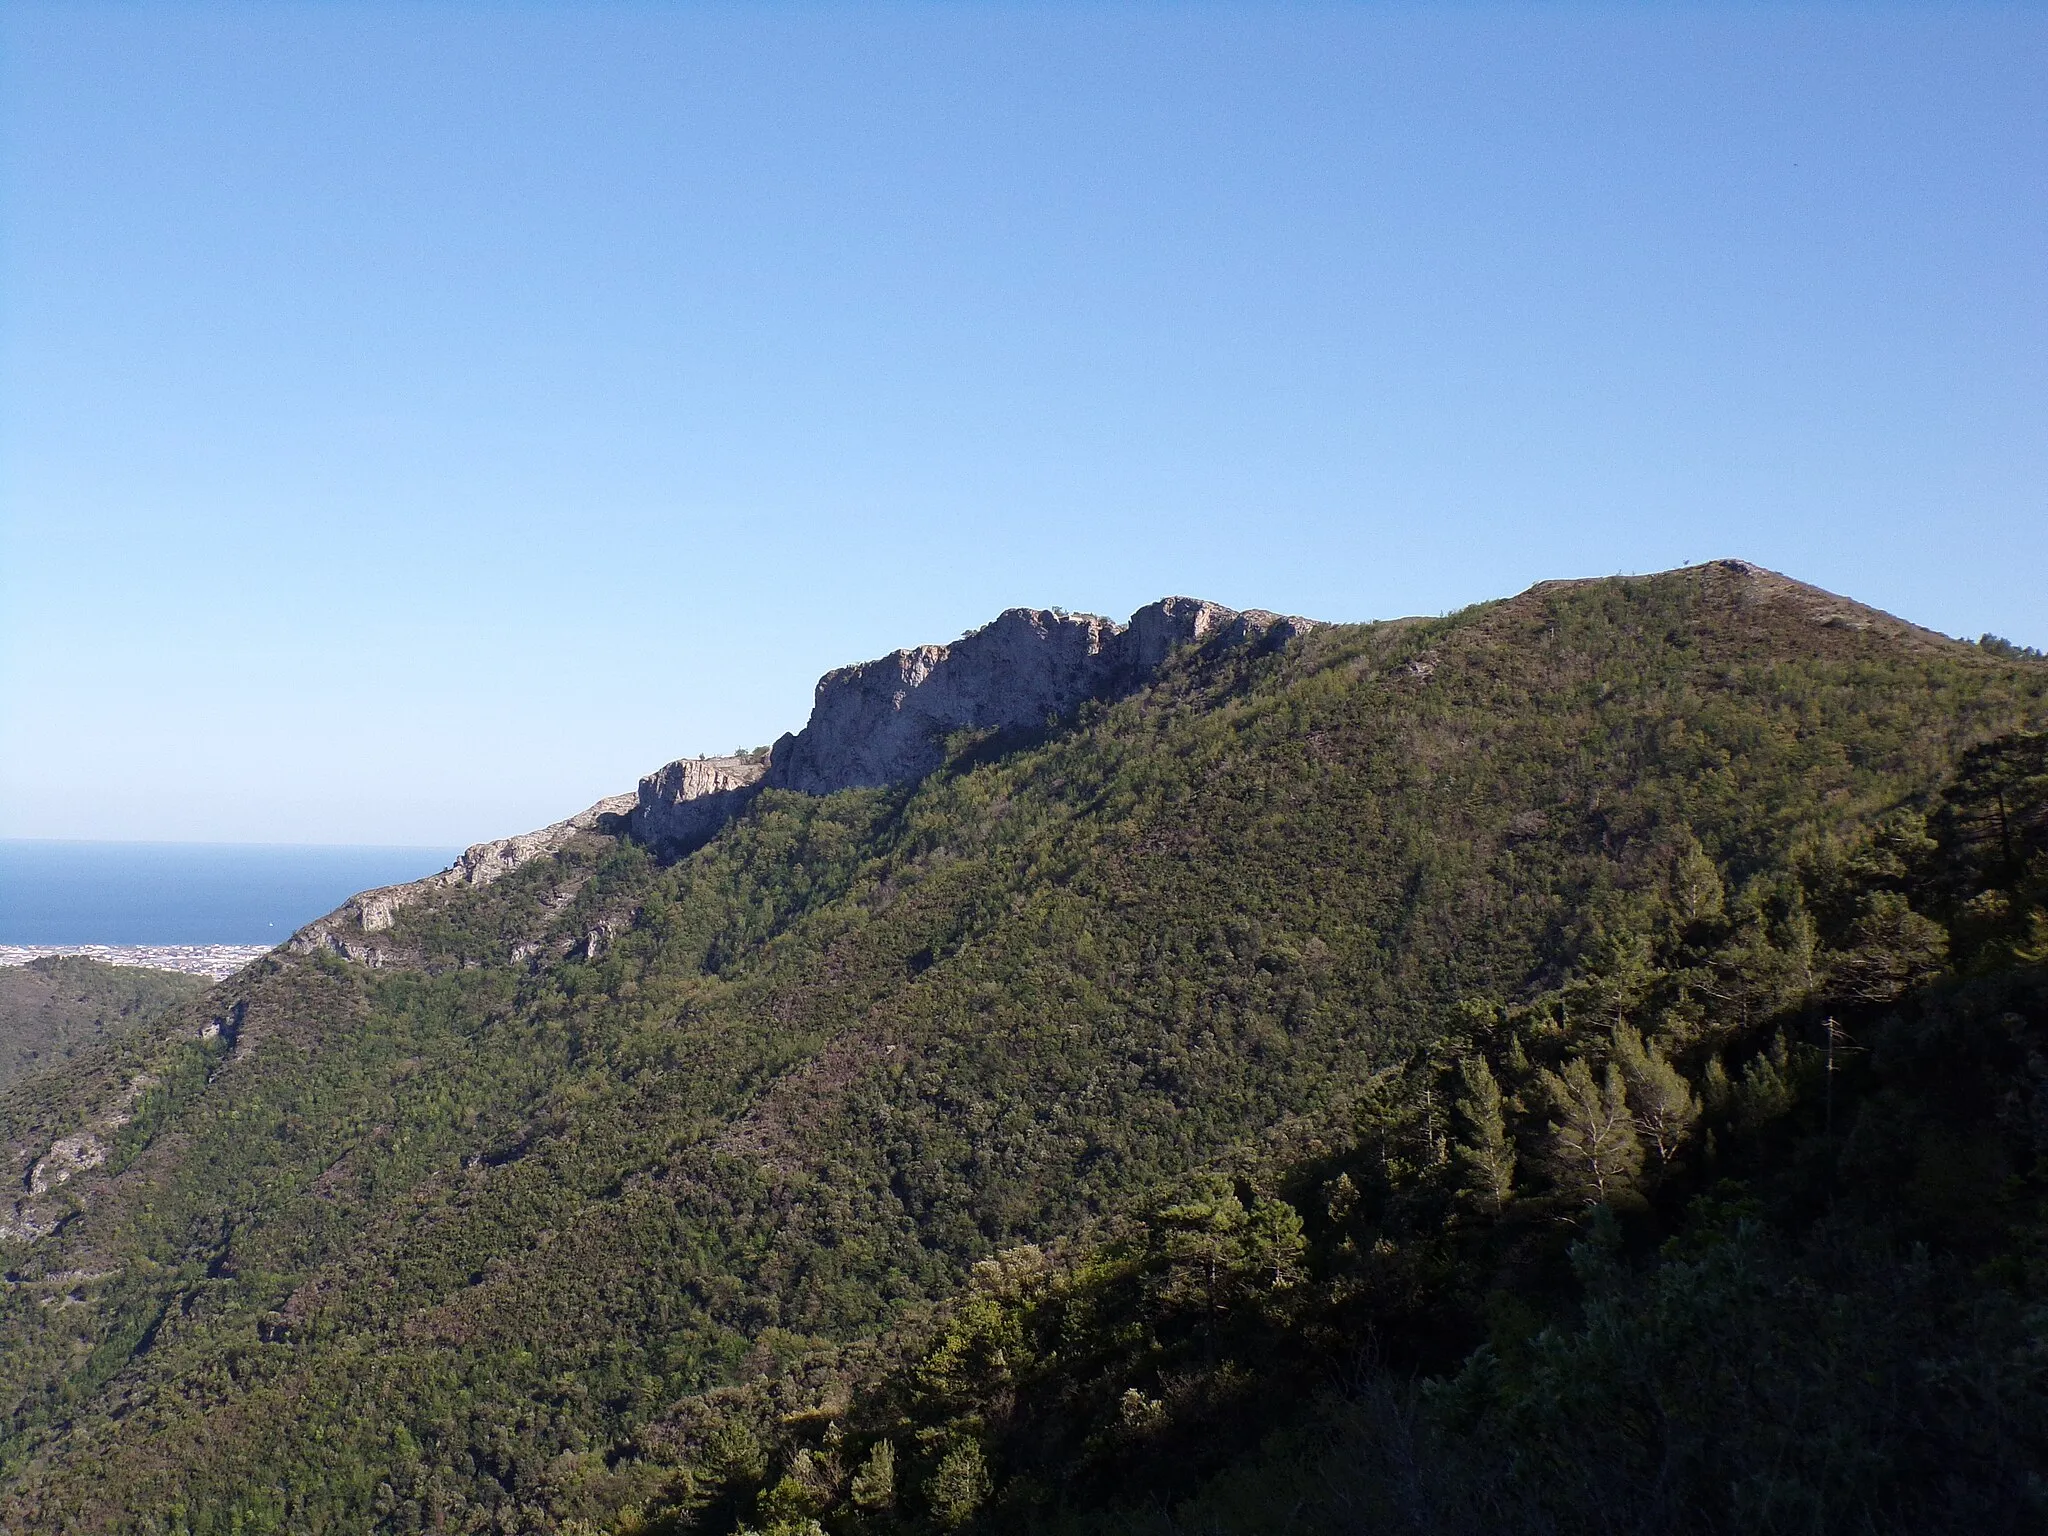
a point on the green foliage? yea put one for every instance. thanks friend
(1032, 1140)
(1847, 1340)
(873, 1491)
(958, 1485)
(1593, 1153)
(1999, 646)
(1213, 1252)
(1486, 1152)
(53, 1008)
(1661, 1101)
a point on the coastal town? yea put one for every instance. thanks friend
(213, 960)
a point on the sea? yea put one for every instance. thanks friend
(127, 894)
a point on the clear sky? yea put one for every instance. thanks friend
(417, 421)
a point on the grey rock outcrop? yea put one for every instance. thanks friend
(68, 1155)
(481, 863)
(478, 864)
(886, 721)
(682, 804)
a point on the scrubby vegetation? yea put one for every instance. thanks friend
(1574, 1065)
(1762, 1254)
(52, 1008)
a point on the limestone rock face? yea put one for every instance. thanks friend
(682, 804)
(68, 1155)
(885, 722)
(1157, 630)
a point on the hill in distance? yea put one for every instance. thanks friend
(53, 1007)
(1574, 1064)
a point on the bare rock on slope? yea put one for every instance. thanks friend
(880, 722)
(682, 804)
(374, 911)
(885, 721)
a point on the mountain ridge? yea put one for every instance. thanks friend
(883, 721)
(609, 1165)
(872, 723)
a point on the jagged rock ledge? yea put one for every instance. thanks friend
(683, 804)
(370, 912)
(880, 722)
(886, 721)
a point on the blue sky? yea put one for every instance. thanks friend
(417, 421)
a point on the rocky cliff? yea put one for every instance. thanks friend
(886, 721)
(682, 804)
(879, 722)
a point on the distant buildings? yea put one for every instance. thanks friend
(215, 960)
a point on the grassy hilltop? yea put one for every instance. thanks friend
(1581, 1063)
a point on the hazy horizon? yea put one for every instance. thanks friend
(56, 891)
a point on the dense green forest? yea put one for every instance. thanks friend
(1578, 1064)
(54, 1006)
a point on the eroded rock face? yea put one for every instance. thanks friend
(886, 721)
(681, 804)
(67, 1156)
(482, 863)
(34, 1215)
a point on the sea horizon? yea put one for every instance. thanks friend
(77, 891)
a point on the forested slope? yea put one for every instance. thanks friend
(641, 1193)
(53, 1007)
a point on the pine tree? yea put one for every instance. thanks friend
(1718, 1089)
(874, 1485)
(1664, 1105)
(1696, 890)
(1595, 1154)
(1273, 1244)
(1767, 1091)
(1202, 1239)
(1340, 1200)
(1486, 1153)
(958, 1486)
